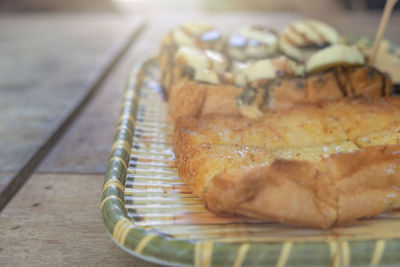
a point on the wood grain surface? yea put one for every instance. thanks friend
(85, 146)
(45, 211)
(49, 66)
(55, 221)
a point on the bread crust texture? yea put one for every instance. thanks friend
(313, 166)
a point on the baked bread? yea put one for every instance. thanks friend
(202, 85)
(190, 34)
(313, 166)
(200, 74)
(336, 83)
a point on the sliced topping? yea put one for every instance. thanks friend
(201, 59)
(206, 76)
(196, 34)
(271, 69)
(253, 43)
(183, 39)
(213, 77)
(257, 34)
(237, 40)
(303, 38)
(210, 36)
(239, 66)
(195, 28)
(333, 56)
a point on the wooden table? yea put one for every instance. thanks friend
(54, 219)
(61, 80)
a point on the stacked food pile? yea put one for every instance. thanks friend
(294, 127)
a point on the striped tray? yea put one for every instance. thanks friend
(150, 213)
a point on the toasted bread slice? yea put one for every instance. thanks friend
(300, 166)
(337, 190)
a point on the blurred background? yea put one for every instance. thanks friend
(355, 17)
(151, 6)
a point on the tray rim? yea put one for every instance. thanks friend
(136, 240)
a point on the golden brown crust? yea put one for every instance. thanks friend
(338, 190)
(291, 192)
(186, 98)
(235, 164)
(337, 83)
(189, 98)
(302, 126)
(220, 99)
(367, 81)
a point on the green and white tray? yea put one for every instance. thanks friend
(150, 213)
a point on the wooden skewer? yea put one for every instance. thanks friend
(382, 27)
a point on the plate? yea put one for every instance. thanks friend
(150, 212)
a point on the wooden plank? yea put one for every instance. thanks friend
(52, 65)
(5, 179)
(48, 65)
(54, 220)
(92, 132)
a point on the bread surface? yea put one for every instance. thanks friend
(313, 166)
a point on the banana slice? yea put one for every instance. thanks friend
(303, 38)
(252, 42)
(201, 59)
(198, 35)
(214, 77)
(269, 69)
(336, 55)
(206, 76)
(208, 66)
